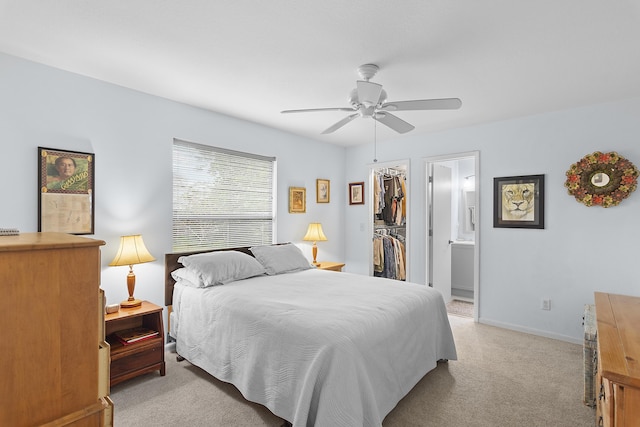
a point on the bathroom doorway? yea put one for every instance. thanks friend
(453, 230)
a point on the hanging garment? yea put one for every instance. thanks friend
(404, 192)
(378, 255)
(387, 214)
(382, 193)
(400, 213)
(376, 194)
(389, 257)
(400, 263)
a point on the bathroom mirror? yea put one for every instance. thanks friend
(469, 205)
(602, 179)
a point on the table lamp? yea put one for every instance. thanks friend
(131, 251)
(315, 234)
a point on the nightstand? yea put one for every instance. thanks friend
(130, 360)
(333, 266)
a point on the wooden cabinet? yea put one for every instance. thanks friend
(53, 357)
(131, 360)
(333, 266)
(618, 375)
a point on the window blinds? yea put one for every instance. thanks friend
(221, 198)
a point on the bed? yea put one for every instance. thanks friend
(317, 348)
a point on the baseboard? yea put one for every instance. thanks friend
(170, 347)
(531, 331)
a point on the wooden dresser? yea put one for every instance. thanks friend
(618, 376)
(53, 357)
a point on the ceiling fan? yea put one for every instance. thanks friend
(368, 99)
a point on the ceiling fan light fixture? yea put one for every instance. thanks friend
(383, 98)
(368, 92)
(353, 98)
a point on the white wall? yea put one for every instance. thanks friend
(581, 249)
(131, 134)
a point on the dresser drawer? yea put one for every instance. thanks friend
(139, 358)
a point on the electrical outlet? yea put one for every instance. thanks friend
(546, 304)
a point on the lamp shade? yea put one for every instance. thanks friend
(132, 251)
(314, 233)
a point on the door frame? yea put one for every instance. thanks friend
(391, 164)
(428, 161)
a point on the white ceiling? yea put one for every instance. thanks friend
(251, 58)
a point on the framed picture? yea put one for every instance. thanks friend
(323, 190)
(66, 197)
(356, 193)
(518, 202)
(297, 200)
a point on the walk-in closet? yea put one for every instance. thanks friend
(390, 211)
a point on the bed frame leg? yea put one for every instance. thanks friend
(443, 360)
(179, 358)
(286, 424)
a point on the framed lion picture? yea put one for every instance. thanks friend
(518, 202)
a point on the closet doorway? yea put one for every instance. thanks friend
(389, 220)
(453, 228)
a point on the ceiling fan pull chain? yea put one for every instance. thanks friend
(375, 142)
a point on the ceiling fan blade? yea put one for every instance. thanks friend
(423, 104)
(341, 123)
(317, 109)
(368, 92)
(393, 122)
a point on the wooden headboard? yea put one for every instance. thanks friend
(171, 263)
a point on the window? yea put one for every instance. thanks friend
(221, 198)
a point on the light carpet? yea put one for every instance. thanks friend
(460, 308)
(501, 378)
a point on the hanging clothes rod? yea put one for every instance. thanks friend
(390, 171)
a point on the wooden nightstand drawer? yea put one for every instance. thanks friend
(142, 358)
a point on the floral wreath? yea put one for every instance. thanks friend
(623, 179)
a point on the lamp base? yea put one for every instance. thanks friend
(131, 304)
(314, 249)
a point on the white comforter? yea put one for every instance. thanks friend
(318, 348)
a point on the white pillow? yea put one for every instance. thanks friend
(278, 259)
(187, 277)
(219, 268)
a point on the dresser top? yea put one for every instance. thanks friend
(42, 241)
(618, 318)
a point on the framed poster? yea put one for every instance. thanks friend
(323, 190)
(518, 202)
(297, 200)
(66, 199)
(356, 193)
